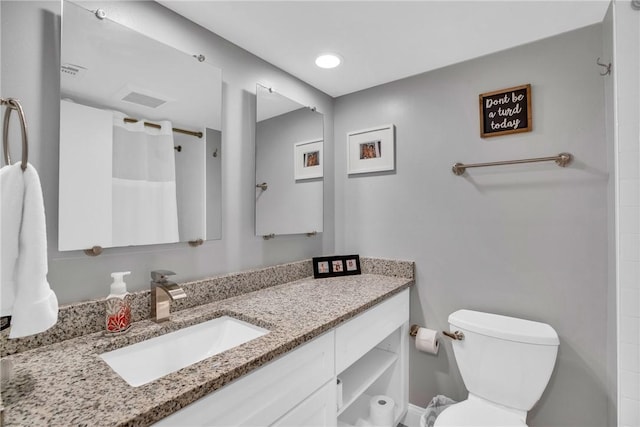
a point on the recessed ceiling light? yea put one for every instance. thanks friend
(328, 60)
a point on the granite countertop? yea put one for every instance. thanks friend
(67, 383)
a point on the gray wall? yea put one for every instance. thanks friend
(527, 240)
(30, 71)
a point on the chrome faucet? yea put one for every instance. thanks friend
(162, 293)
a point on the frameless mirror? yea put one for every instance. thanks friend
(289, 165)
(140, 138)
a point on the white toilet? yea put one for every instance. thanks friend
(505, 363)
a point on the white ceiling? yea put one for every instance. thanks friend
(382, 41)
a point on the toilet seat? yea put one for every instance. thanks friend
(474, 412)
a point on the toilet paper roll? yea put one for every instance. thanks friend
(381, 411)
(427, 341)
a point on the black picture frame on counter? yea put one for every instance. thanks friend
(333, 266)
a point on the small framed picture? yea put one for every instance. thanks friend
(307, 158)
(340, 265)
(352, 264)
(323, 267)
(371, 150)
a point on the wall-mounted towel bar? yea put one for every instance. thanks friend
(562, 160)
(157, 126)
(14, 104)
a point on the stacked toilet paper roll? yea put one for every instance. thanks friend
(381, 411)
(427, 341)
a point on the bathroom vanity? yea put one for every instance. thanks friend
(354, 328)
(367, 353)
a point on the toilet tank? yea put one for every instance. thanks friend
(503, 359)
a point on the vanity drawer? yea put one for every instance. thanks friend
(265, 395)
(365, 331)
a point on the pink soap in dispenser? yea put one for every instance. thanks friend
(118, 306)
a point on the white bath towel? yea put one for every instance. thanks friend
(11, 199)
(26, 296)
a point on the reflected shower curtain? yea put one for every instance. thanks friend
(144, 184)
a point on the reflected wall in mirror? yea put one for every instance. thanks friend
(140, 138)
(289, 165)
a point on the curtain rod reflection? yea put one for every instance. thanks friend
(156, 126)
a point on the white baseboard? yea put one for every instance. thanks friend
(412, 419)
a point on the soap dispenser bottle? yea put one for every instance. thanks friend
(118, 306)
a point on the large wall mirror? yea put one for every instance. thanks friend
(140, 137)
(289, 166)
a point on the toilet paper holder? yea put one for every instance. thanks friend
(455, 335)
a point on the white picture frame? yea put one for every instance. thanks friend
(307, 160)
(371, 150)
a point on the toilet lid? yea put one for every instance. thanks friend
(474, 413)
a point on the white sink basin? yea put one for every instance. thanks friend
(149, 360)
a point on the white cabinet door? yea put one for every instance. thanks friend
(262, 397)
(318, 410)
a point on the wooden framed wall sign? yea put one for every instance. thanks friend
(505, 111)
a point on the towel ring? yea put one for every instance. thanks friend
(13, 104)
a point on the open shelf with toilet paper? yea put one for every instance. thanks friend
(357, 414)
(372, 360)
(361, 375)
(379, 372)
